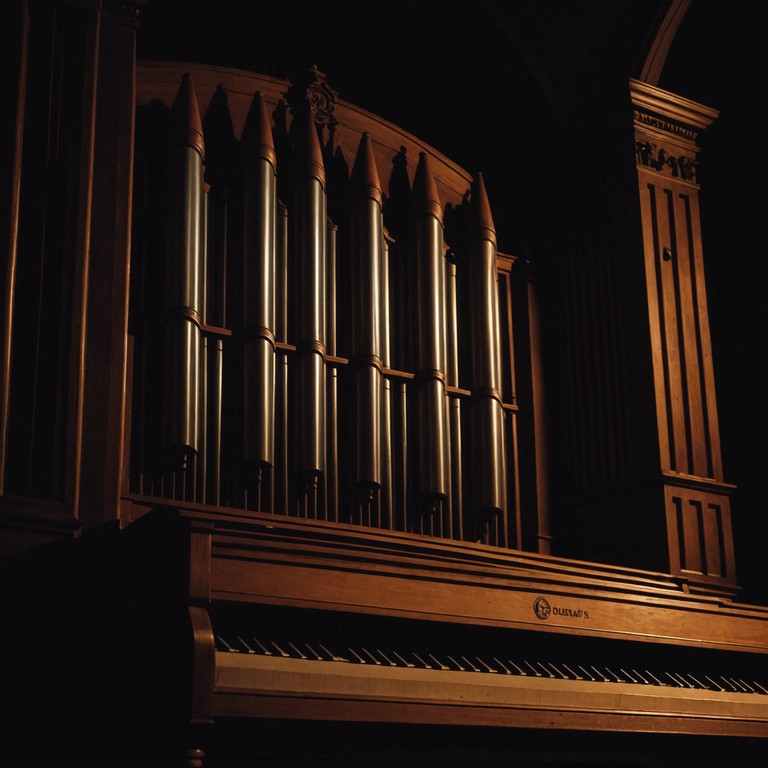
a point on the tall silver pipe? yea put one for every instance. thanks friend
(433, 483)
(217, 198)
(367, 233)
(457, 473)
(310, 281)
(281, 276)
(332, 233)
(206, 354)
(487, 418)
(281, 328)
(215, 315)
(183, 292)
(451, 322)
(386, 403)
(215, 393)
(454, 411)
(332, 383)
(259, 257)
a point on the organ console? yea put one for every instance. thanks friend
(296, 619)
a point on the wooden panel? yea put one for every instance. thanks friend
(578, 611)
(546, 717)
(317, 565)
(699, 530)
(288, 688)
(697, 505)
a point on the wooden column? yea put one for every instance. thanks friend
(64, 345)
(696, 497)
(105, 255)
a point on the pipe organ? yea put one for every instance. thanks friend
(298, 472)
(283, 328)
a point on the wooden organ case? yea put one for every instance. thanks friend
(289, 392)
(324, 418)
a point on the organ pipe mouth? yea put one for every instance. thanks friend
(431, 502)
(178, 457)
(366, 492)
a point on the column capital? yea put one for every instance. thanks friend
(667, 127)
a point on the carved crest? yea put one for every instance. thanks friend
(312, 88)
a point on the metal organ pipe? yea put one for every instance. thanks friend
(433, 482)
(367, 230)
(487, 417)
(259, 257)
(310, 280)
(206, 354)
(183, 289)
(219, 168)
(332, 383)
(281, 280)
(386, 403)
(454, 410)
(281, 436)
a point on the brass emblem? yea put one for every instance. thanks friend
(542, 608)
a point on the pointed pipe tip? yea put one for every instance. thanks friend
(484, 228)
(185, 116)
(365, 174)
(257, 141)
(424, 196)
(309, 156)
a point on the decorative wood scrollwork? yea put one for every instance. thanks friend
(312, 88)
(680, 166)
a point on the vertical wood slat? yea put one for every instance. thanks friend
(656, 314)
(690, 332)
(692, 536)
(101, 467)
(12, 222)
(666, 258)
(709, 404)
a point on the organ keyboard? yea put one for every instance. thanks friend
(317, 664)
